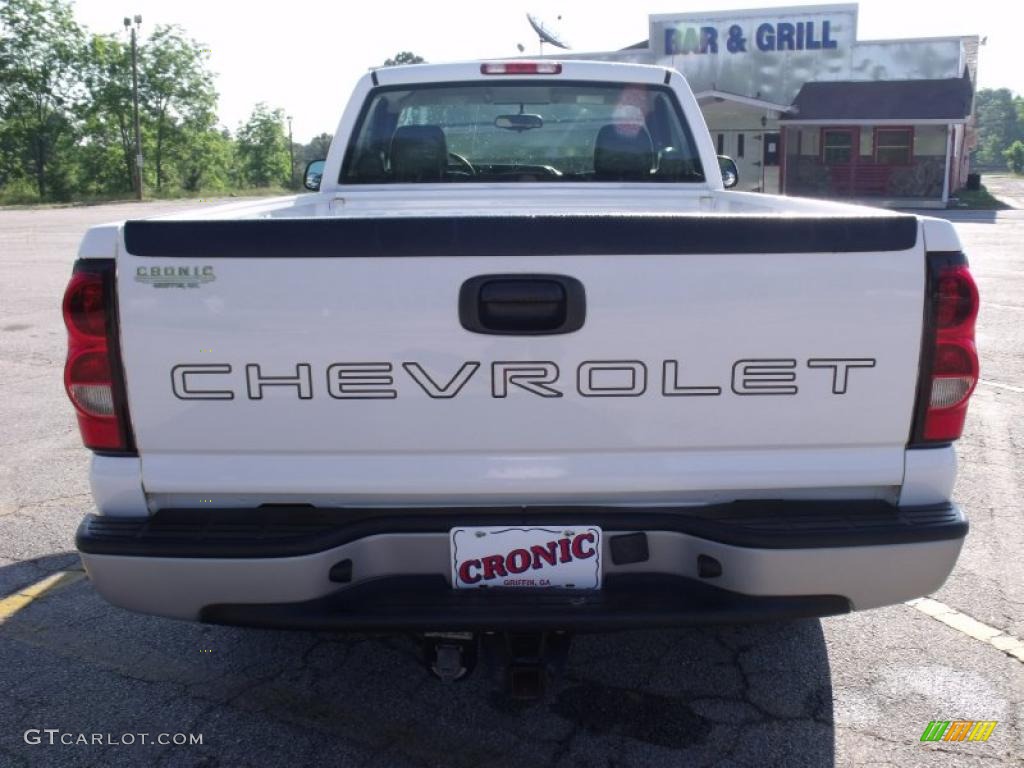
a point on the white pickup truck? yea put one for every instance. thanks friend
(520, 364)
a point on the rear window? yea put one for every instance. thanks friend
(515, 131)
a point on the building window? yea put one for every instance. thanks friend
(836, 146)
(721, 143)
(739, 144)
(894, 146)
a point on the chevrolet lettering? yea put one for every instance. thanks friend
(592, 378)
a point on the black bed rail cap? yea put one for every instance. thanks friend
(525, 235)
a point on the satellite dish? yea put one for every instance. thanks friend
(545, 35)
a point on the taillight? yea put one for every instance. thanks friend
(949, 364)
(521, 68)
(956, 300)
(92, 375)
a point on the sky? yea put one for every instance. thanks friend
(306, 57)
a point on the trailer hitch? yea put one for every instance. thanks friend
(524, 663)
(527, 662)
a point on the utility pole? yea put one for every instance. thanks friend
(135, 104)
(291, 155)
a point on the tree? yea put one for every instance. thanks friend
(317, 149)
(107, 115)
(208, 163)
(176, 88)
(404, 57)
(1015, 156)
(262, 148)
(40, 53)
(998, 124)
(177, 113)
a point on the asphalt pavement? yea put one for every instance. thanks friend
(852, 690)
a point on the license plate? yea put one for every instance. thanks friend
(529, 557)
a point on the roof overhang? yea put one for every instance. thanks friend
(747, 101)
(876, 121)
(941, 101)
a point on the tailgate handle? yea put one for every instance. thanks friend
(522, 305)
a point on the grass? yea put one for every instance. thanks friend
(242, 192)
(979, 200)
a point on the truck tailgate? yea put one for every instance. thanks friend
(719, 356)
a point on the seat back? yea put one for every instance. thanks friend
(623, 152)
(418, 153)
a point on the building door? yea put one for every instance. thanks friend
(745, 148)
(772, 157)
(840, 148)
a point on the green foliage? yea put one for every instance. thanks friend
(262, 148)
(20, 191)
(106, 116)
(999, 124)
(40, 46)
(209, 162)
(66, 115)
(1014, 155)
(404, 57)
(177, 95)
(316, 150)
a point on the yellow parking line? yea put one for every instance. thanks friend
(11, 604)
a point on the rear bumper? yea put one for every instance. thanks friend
(427, 603)
(389, 569)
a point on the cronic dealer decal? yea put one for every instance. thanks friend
(175, 277)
